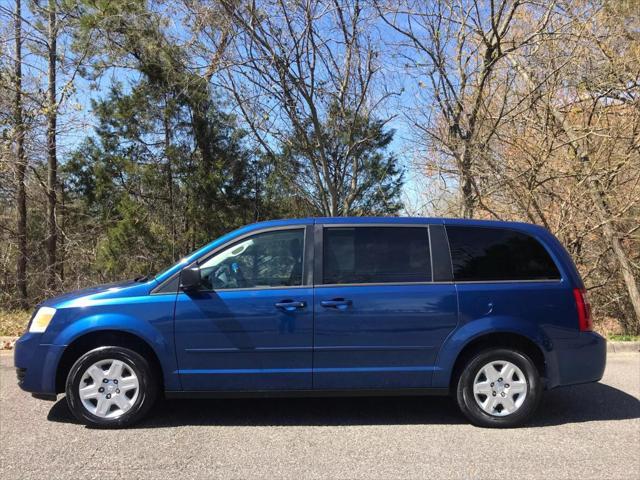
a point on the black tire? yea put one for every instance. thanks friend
(146, 396)
(466, 399)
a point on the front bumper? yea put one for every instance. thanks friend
(581, 359)
(36, 364)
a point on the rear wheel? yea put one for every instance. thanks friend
(499, 388)
(111, 387)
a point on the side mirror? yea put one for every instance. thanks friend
(190, 279)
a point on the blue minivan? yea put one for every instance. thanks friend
(492, 313)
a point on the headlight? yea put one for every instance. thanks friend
(42, 319)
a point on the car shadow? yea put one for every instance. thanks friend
(582, 403)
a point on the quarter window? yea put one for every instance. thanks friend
(271, 259)
(486, 254)
(375, 255)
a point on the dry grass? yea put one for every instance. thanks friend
(13, 322)
(607, 326)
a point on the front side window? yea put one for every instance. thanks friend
(486, 254)
(375, 255)
(271, 259)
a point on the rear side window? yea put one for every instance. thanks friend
(486, 254)
(375, 255)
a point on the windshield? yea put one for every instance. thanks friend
(165, 273)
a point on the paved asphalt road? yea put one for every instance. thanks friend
(587, 431)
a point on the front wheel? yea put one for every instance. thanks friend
(111, 387)
(499, 388)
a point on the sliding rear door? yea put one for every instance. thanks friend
(379, 316)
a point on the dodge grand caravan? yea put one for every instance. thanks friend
(492, 313)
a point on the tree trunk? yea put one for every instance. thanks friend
(62, 246)
(52, 161)
(466, 181)
(600, 204)
(612, 236)
(169, 169)
(21, 195)
(333, 212)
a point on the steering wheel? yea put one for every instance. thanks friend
(236, 271)
(226, 275)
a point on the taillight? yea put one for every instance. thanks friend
(584, 309)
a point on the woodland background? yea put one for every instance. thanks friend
(132, 132)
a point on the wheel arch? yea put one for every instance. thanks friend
(107, 337)
(501, 339)
(494, 331)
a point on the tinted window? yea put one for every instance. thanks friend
(271, 259)
(481, 254)
(376, 255)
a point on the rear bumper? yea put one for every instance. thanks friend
(581, 359)
(36, 364)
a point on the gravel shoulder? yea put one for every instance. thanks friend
(586, 431)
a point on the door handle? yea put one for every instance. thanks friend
(338, 303)
(290, 305)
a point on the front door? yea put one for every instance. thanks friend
(250, 325)
(380, 319)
